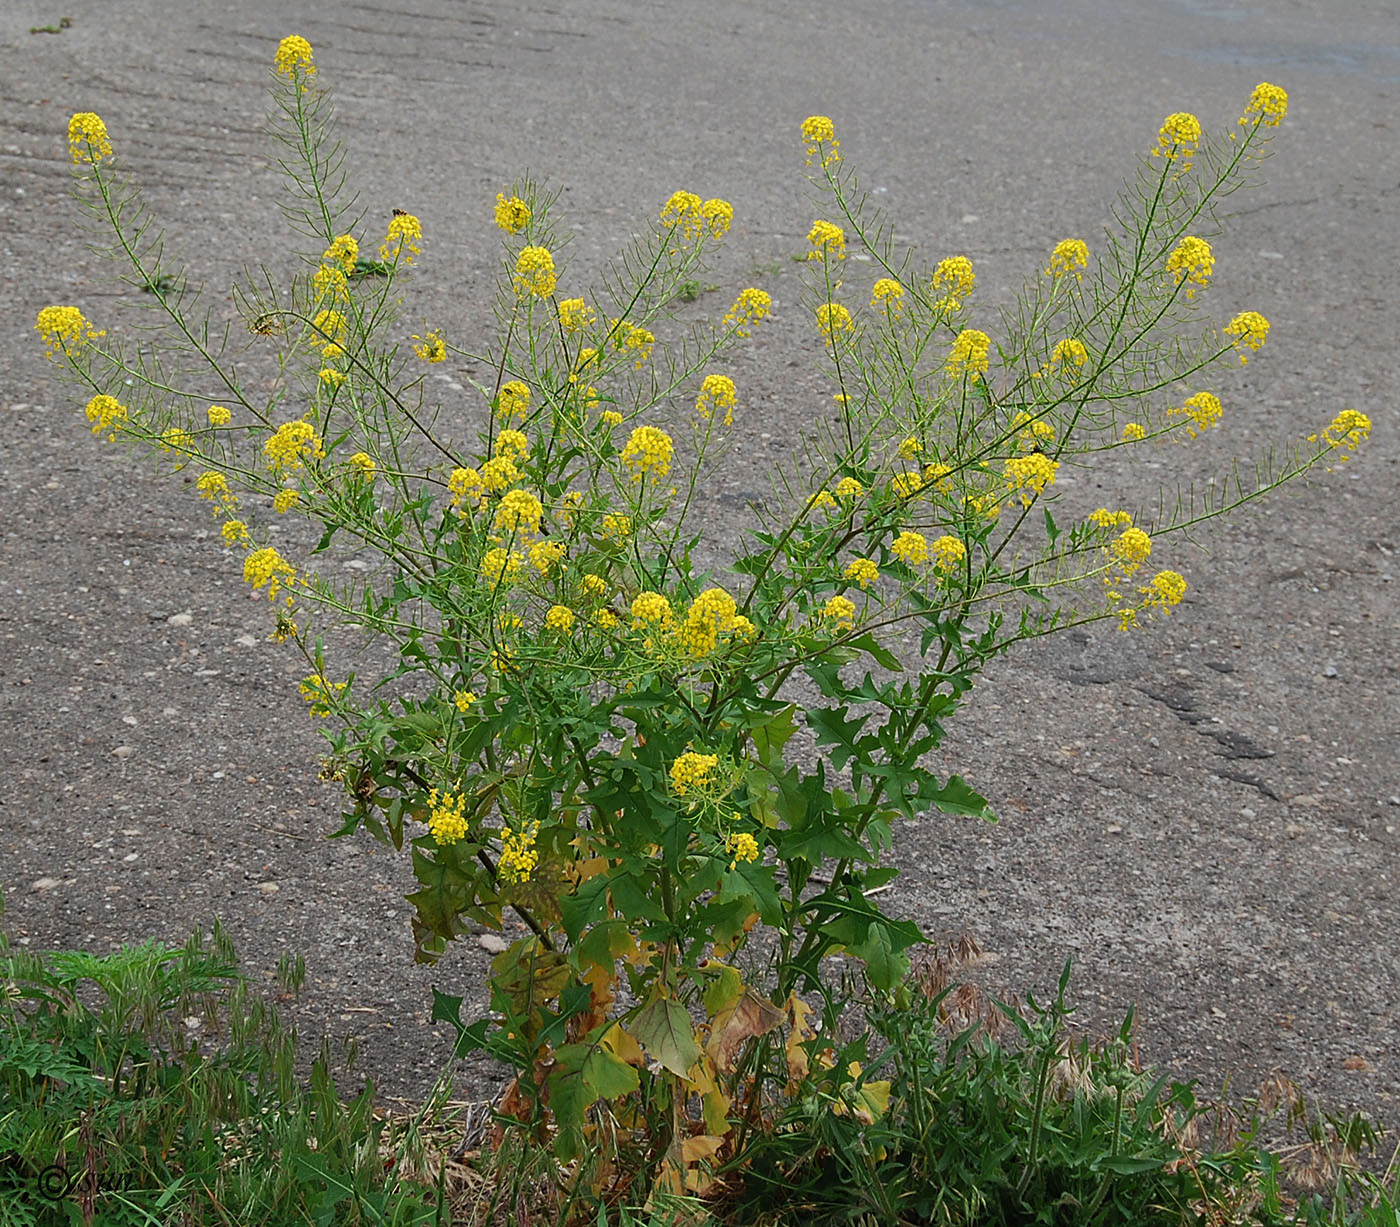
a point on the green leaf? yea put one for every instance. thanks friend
(663, 1028)
(1050, 527)
(958, 797)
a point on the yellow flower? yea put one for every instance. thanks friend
(431, 348)
(626, 336)
(1268, 104)
(833, 318)
(546, 555)
(911, 548)
(969, 354)
(213, 487)
(518, 856)
(863, 571)
(534, 272)
(1069, 256)
(1345, 433)
(828, 240)
(463, 699)
(716, 392)
(956, 274)
(1203, 409)
(87, 138)
(569, 507)
(294, 53)
(820, 135)
(465, 486)
(65, 330)
(718, 216)
(513, 445)
(1250, 330)
(1104, 518)
(519, 511)
(617, 527)
(610, 418)
(907, 484)
(575, 315)
(320, 693)
(849, 487)
(329, 280)
(234, 532)
(364, 465)
(560, 619)
(1033, 431)
(683, 209)
(650, 608)
(710, 615)
(266, 567)
(841, 610)
(1165, 590)
(513, 214)
(331, 378)
(447, 817)
(595, 587)
(498, 474)
(1133, 431)
(888, 295)
(399, 242)
(605, 619)
(500, 565)
(219, 415)
(1069, 350)
(749, 310)
(285, 500)
(1030, 474)
(823, 501)
(513, 402)
(741, 846)
(344, 250)
(1192, 260)
(948, 552)
(331, 332)
(648, 451)
(1179, 135)
(1132, 549)
(106, 413)
(692, 770)
(290, 445)
(174, 439)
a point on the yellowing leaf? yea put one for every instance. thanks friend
(724, 989)
(750, 1016)
(872, 1102)
(665, 1031)
(622, 1045)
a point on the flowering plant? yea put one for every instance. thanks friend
(588, 728)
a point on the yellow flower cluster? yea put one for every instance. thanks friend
(465, 487)
(887, 295)
(343, 251)
(1345, 433)
(711, 614)
(1268, 104)
(65, 330)
(519, 511)
(648, 451)
(828, 240)
(1132, 549)
(1203, 409)
(1104, 518)
(910, 548)
(534, 272)
(500, 565)
(447, 816)
(1178, 138)
(955, 277)
(294, 53)
(610, 418)
(546, 555)
(718, 216)
(1069, 350)
(106, 413)
(692, 770)
(820, 134)
(650, 609)
(969, 354)
(219, 415)
(234, 532)
(463, 700)
(513, 214)
(1030, 474)
(863, 571)
(290, 445)
(750, 309)
(716, 392)
(213, 487)
(1192, 260)
(285, 500)
(1133, 431)
(575, 315)
(686, 210)
(175, 439)
(1250, 330)
(513, 402)
(840, 610)
(833, 319)
(331, 379)
(362, 465)
(430, 348)
(512, 444)
(1069, 256)
(948, 552)
(849, 487)
(331, 333)
(87, 138)
(627, 336)
(519, 859)
(1162, 592)
(330, 281)
(560, 619)
(320, 693)
(740, 846)
(1032, 432)
(267, 567)
(400, 241)
(617, 527)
